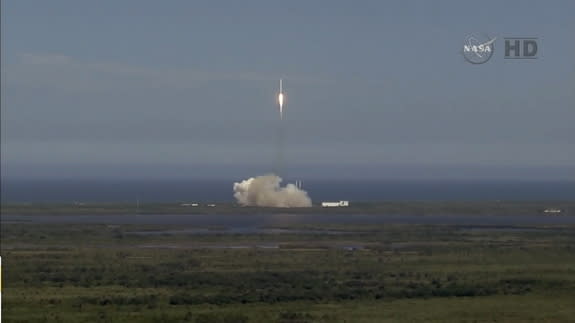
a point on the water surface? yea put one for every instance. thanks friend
(269, 220)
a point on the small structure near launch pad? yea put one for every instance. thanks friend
(335, 204)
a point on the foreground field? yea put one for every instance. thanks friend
(303, 273)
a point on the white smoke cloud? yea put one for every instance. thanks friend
(266, 191)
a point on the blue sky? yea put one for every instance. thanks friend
(374, 89)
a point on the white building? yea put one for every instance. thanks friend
(552, 210)
(189, 204)
(335, 204)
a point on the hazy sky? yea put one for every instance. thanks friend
(374, 88)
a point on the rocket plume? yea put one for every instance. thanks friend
(281, 101)
(266, 191)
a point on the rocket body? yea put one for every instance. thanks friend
(281, 101)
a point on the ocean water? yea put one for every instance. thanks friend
(67, 191)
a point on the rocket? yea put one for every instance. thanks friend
(281, 101)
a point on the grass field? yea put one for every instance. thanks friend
(362, 273)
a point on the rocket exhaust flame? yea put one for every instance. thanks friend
(278, 166)
(281, 101)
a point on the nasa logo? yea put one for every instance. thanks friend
(478, 49)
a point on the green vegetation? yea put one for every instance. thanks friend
(372, 273)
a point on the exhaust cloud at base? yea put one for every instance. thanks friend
(267, 191)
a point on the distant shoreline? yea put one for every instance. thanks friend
(553, 208)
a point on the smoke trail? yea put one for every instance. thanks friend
(266, 191)
(280, 144)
